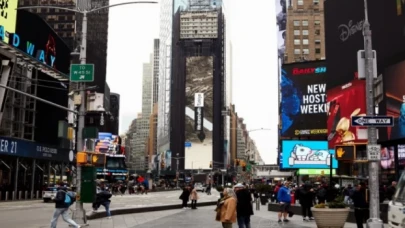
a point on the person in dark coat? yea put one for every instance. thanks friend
(361, 211)
(244, 207)
(103, 199)
(185, 196)
(63, 200)
(306, 198)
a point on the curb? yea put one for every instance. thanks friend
(123, 211)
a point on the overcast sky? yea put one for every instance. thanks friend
(132, 29)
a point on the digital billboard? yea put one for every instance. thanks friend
(281, 18)
(199, 112)
(299, 154)
(303, 99)
(108, 143)
(40, 41)
(8, 17)
(387, 158)
(344, 102)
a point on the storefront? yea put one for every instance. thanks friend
(26, 167)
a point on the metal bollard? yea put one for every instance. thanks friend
(257, 205)
(375, 223)
(19, 195)
(6, 198)
(26, 195)
(32, 194)
(13, 195)
(37, 195)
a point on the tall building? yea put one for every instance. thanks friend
(155, 70)
(198, 82)
(112, 121)
(305, 33)
(142, 132)
(61, 21)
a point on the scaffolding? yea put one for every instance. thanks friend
(19, 111)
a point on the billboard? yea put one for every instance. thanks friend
(199, 112)
(298, 154)
(341, 107)
(281, 18)
(8, 17)
(108, 143)
(40, 41)
(303, 99)
(388, 158)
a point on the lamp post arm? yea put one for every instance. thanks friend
(120, 4)
(48, 7)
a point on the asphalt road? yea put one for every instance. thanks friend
(36, 214)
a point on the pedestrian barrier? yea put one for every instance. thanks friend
(32, 194)
(26, 195)
(13, 195)
(257, 205)
(6, 198)
(37, 195)
(19, 195)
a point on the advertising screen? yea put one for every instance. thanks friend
(40, 41)
(8, 17)
(341, 107)
(401, 154)
(303, 100)
(281, 18)
(299, 154)
(108, 143)
(199, 112)
(388, 157)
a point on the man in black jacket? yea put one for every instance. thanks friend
(361, 212)
(63, 200)
(244, 206)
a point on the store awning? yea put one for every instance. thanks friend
(23, 57)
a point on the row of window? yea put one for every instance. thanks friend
(199, 19)
(212, 24)
(305, 22)
(305, 42)
(199, 36)
(305, 51)
(197, 31)
(305, 32)
(301, 2)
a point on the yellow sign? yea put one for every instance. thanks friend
(340, 152)
(8, 17)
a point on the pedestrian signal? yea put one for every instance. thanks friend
(98, 159)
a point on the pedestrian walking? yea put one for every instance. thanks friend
(63, 200)
(103, 199)
(361, 211)
(306, 195)
(284, 198)
(185, 196)
(193, 198)
(244, 207)
(208, 189)
(226, 208)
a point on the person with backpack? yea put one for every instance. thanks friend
(63, 200)
(321, 194)
(103, 199)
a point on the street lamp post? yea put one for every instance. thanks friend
(80, 214)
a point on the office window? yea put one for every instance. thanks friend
(317, 22)
(300, 2)
(317, 51)
(297, 51)
(297, 23)
(317, 41)
(305, 32)
(297, 42)
(316, 2)
(305, 51)
(297, 32)
(305, 41)
(317, 32)
(305, 23)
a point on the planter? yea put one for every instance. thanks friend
(330, 217)
(264, 199)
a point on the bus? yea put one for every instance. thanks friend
(114, 170)
(396, 207)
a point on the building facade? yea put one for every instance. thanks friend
(305, 33)
(155, 71)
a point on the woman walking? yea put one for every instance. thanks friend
(185, 195)
(193, 198)
(226, 208)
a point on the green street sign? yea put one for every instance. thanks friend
(82, 72)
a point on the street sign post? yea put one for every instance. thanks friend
(374, 152)
(82, 72)
(372, 121)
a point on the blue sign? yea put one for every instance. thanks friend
(369, 121)
(28, 149)
(187, 144)
(299, 154)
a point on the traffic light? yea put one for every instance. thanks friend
(98, 159)
(211, 165)
(89, 158)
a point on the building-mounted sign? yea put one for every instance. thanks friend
(345, 152)
(23, 148)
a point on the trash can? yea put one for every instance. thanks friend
(88, 185)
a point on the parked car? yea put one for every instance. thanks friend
(49, 194)
(200, 187)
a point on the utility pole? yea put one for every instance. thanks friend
(373, 167)
(80, 214)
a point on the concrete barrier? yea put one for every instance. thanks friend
(296, 209)
(122, 211)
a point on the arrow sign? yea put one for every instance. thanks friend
(372, 121)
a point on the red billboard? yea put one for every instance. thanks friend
(344, 102)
